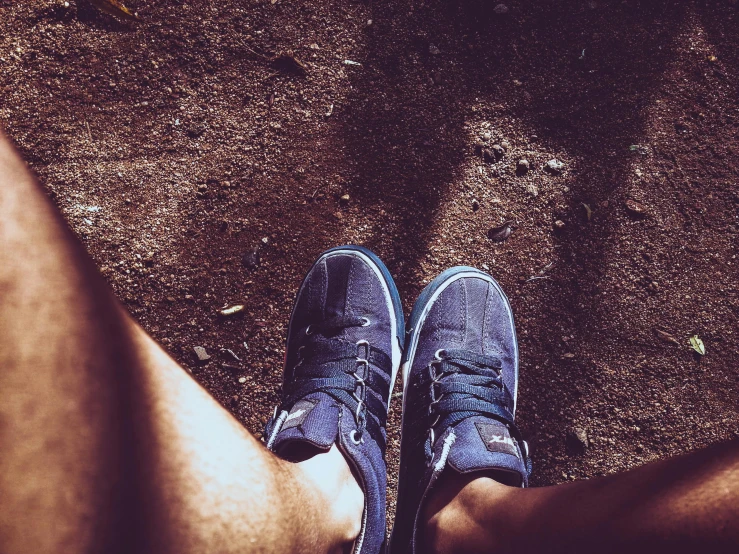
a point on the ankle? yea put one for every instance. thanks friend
(341, 499)
(453, 519)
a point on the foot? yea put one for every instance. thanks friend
(343, 352)
(460, 377)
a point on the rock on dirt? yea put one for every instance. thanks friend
(554, 167)
(488, 156)
(522, 167)
(201, 353)
(498, 150)
(501, 233)
(635, 208)
(251, 259)
(501, 9)
(576, 440)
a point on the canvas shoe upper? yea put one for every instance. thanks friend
(460, 375)
(343, 352)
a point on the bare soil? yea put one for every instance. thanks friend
(178, 145)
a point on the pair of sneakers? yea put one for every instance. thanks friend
(346, 342)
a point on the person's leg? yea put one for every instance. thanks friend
(463, 463)
(106, 445)
(687, 504)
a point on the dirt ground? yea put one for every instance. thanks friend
(202, 170)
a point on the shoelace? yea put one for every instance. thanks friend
(465, 384)
(341, 369)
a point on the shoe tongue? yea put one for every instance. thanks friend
(350, 333)
(483, 444)
(313, 420)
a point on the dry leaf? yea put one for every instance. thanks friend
(231, 310)
(698, 345)
(664, 336)
(114, 7)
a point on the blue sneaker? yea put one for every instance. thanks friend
(344, 347)
(460, 377)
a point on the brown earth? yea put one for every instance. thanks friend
(177, 145)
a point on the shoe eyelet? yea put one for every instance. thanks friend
(366, 322)
(438, 354)
(355, 437)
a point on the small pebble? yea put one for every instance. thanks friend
(344, 200)
(498, 150)
(559, 224)
(532, 189)
(201, 354)
(501, 9)
(475, 205)
(576, 440)
(265, 240)
(523, 166)
(488, 156)
(554, 166)
(501, 233)
(251, 259)
(242, 380)
(433, 50)
(635, 208)
(486, 135)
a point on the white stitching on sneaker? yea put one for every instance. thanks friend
(276, 429)
(445, 449)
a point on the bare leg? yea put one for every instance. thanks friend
(686, 504)
(106, 445)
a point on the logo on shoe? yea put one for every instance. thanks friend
(496, 438)
(501, 438)
(299, 413)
